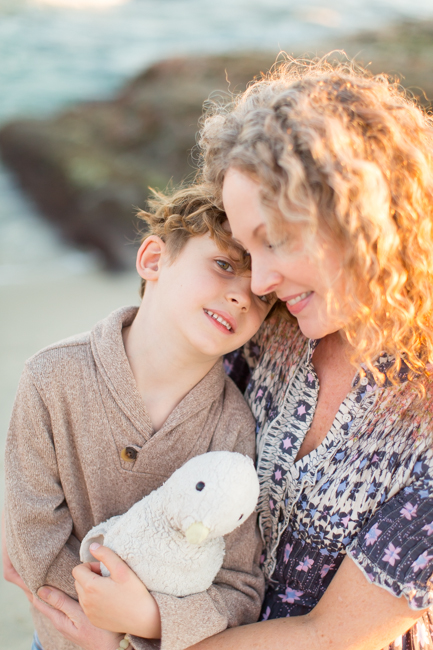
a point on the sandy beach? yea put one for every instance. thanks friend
(34, 315)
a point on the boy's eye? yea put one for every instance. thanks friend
(225, 266)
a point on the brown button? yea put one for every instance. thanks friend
(129, 454)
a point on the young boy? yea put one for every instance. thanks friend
(103, 418)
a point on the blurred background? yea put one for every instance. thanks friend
(99, 100)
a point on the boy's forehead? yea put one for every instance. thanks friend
(210, 245)
(233, 250)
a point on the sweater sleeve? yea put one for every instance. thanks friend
(395, 549)
(236, 594)
(39, 535)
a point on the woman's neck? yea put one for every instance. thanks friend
(331, 360)
(333, 350)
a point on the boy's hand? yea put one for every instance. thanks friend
(120, 603)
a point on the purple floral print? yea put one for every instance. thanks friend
(366, 491)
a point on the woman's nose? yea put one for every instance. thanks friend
(264, 279)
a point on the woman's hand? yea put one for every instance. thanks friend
(69, 619)
(121, 602)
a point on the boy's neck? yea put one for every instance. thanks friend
(164, 370)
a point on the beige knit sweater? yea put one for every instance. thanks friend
(76, 411)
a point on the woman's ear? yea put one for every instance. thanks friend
(149, 258)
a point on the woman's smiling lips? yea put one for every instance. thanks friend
(296, 302)
(222, 320)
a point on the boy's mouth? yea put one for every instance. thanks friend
(217, 317)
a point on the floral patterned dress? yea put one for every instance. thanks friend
(366, 490)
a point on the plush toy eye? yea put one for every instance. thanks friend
(199, 486)
(240, 517)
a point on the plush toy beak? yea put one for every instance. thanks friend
(197, 533)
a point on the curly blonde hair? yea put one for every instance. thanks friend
(343, 152)
(187, 212)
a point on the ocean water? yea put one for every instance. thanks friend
(57, 52)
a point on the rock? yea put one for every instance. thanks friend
(88, 168)
(403, 50)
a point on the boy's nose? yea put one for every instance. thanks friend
(240, 301)
(241, 295)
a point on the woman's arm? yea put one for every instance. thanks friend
(352, 615)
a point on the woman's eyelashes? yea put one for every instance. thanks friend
(280, 239)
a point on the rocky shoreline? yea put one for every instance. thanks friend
(88, 168)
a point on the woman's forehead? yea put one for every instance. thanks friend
(251, 218)
(238, 184)
(243, 204)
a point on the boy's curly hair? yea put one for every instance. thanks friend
(342, 152)
(184, 213)
(190, 212)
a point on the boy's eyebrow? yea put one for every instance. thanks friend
(235, 256)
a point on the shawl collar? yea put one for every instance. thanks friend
(111, 360)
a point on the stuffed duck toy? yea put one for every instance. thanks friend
(173, 538)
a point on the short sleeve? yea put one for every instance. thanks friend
(395, 549)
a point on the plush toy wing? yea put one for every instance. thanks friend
(96, 534)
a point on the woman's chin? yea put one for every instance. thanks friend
(314, 329)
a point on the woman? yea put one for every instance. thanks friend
(326, 176)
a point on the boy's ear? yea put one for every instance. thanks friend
(149, 258)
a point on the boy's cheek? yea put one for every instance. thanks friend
(252, 327)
